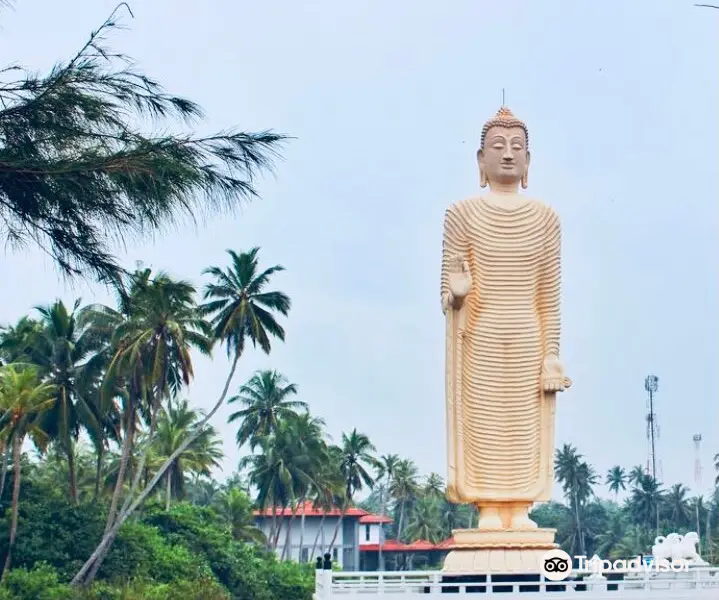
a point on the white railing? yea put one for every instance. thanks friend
(700, 583)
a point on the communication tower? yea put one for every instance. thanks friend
(651, 385)
(697, 460)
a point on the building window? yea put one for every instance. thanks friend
(366, 533)
(335, 554)
(305, 555)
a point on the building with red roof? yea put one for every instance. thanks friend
(359, 542)
(308, 531)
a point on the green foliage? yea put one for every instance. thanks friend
(249, 572)
(187, 552)
(201, 589)
(41, 583)
(140, 550)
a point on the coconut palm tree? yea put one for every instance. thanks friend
(424, 523)
(610, 539)
(357, 460)
(239, 310)
(235, 508)
(266, 401)
(616, 480)
(69, 353)
(309, 433)
(277, 471)
(676, 503)
(328, 491)
(23, 400)
(386, 466)
(636, 474)
(577, 478)
(174, 424)
(405, 487)
(16, 340)
(240, 307)
(434, 486)
(645, 502)
(155, 329)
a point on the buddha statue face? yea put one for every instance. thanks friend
(504, 158)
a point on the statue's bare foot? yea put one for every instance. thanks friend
(489, 518)
(521, 520)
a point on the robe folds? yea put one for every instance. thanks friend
(500, 423)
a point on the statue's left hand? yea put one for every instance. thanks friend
(553, 378)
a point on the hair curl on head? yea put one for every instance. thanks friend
(503, 118)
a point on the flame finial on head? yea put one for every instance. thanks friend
(504, 118)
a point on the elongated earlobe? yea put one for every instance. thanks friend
(482, 180)
(524, 181)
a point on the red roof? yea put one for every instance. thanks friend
(310, 511)
(369, 519)
(422, 545)
(395, 546)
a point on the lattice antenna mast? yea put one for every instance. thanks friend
(651, 385)
(697, 460)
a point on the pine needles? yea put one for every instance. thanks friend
(77, 175)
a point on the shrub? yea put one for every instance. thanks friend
(41, 583)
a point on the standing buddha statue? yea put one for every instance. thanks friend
(500, 291)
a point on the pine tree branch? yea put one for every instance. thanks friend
(77, 175)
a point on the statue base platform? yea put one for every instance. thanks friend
(502, 551)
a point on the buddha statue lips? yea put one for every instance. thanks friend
(500, 290)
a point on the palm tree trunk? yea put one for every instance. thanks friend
(273, 528)
(317, 537)
(5, 460)
(72, 471)
(143, 459)
(279, 528)
(579, 525)
(124, 461)
(708, 538)
(16, 450)
(103, 547)
(286, 554)
(337, 528)
(401, 520)
(98, 472)
(302, 530)
(382, 511)
(168, 490)
(135, 478)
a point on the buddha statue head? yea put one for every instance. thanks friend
(503, 154)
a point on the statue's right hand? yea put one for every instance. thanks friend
(460, 278)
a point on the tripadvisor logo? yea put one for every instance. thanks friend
(557, 565)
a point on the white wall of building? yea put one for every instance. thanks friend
(369, 534)
(312, 527)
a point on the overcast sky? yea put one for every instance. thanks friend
(386, 101)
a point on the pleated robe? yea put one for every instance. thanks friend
(500, 423)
